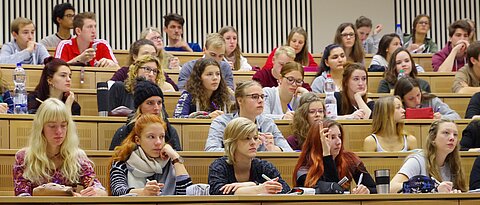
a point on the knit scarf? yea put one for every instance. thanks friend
(140, 166)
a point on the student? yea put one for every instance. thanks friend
(233, 52)
(473, 108)
(239, 172)
(139, 49)
(309, 112)
(215, 49)
(347, 36)
(174, 29)
(154, 35)
(324, 158)
(364, 28)
(413, 42)
(249, 99)
(401, 60)
(148, 99)
(352, 101)
(452, 56)
(53, 154)
(387, 128)
(470, 140)
(55, 82)
(23, 48)
(148, 67)
(85, 49)
(440, 159)
(475, 175)
(388, 44)
(282, 101)
(473, 35)
(145, 165)
(298, 40)
(413, 97)
(62, 17)
(467, 79)
(332, 62)
(205, 91)
(6, 100)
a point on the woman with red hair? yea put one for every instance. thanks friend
(324, 159)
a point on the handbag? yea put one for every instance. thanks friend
(324, 187)
(419, 113)
(419, 184)
(52, 189)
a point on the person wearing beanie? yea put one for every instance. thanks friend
(147, 99)
(121, 93)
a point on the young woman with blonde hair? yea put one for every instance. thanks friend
(53, 154)
(233, 52)
(440, 159)
(387, 128)
(239, 171)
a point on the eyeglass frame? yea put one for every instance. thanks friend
(291, 80)
(257, 96)
(148, 70)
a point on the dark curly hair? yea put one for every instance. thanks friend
(221, 96)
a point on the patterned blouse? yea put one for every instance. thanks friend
(25, 186)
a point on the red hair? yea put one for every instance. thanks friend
(312, 157)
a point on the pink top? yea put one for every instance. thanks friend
(22, 185)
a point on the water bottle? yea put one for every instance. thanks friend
(20, 93)
(399, 32)
(330, 101)
(401, 74)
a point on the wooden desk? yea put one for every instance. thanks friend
(439, 82)
(197, 164)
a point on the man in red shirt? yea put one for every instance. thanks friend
(85, 49)
(267, 77)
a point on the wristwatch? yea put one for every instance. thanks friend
(178, 160)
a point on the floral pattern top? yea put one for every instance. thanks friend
(25, 186)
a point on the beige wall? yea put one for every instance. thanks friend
(328, 14)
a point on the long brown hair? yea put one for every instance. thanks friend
(391, 74)
(452, 160)
(312, 156)
(300, 125)
(346, 105)
(238, 51)
(302, 56)
(357, 53)
(414, 25)
(383, 117)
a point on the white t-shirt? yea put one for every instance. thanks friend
(415, 164)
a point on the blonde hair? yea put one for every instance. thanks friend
(3, 83)
(383, 117)
(287, 50)
(162, 55)
(452, 160)
(38, 167)
(300, 125)
(237, 129)
(133, 71)
(19, 22)
(215, 40)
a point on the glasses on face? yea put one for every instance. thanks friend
(315, 111)
(423, 22)
(257, 96)
(70, 16)
(148, 69)
(291, 80)
(156, 38)
(348, 35)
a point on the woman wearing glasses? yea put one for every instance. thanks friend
(332, 63)
(347, 37)
(249, 103)
(417, 42)
(283, 100)
(205, 91)
(148, 67)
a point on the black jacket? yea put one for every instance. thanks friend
(471, 136)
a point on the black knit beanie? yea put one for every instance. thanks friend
(145, 89)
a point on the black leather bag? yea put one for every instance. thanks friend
(324, 187)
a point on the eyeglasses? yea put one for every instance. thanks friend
(156, 38)
(148, 69)
(257, 96)
(69, 15)
(348, 35)
(423, 22)
(315, 111)
(291, 80)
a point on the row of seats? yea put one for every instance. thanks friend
(95, 133)
(197, 164)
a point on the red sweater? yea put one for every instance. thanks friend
(269, 63)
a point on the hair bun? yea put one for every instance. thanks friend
(48, 60)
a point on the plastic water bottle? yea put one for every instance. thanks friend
(401, 74)
(20, 93)
(399, 32)
(330, 101)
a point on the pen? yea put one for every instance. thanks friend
(266, 177)
(289, 107)
(436, 181)
(214, 106)
(360, 179)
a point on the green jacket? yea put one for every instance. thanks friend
(430, 46)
